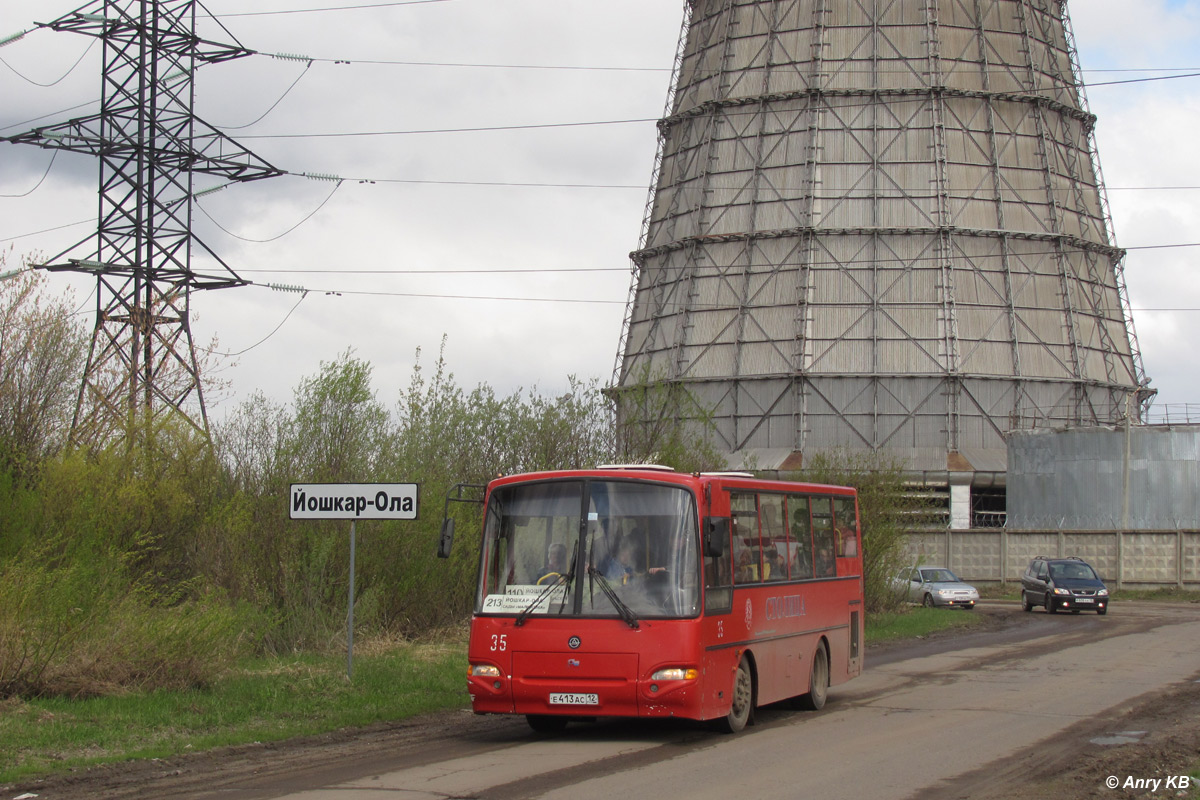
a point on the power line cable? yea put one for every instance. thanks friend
(418, 295)
(865, 102)
(600, 301)
(304, 294)
(618, 68)
(549, 125)
(548, 270)
(273, 105)
(491, 128)
(28, 122)
(642, 187)
(47, 230)
(523, 271)
(40, 181)
(63, 77)
(708, 269)
(328, 8)
(309, 216)
(471, 65)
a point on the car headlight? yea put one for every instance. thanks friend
(1102, 593)
(1062, 591)
(945, 592)
(675, 674)
(483, 671)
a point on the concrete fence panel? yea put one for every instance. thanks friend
(1145, 559)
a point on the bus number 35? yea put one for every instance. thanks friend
(499, 642)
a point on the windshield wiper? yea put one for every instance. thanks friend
(570, 577)
(525, 612)
(559, 581)
(625, 611)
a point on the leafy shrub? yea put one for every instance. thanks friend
(883, 505)
(73, 630)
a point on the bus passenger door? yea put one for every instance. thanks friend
(718, 602)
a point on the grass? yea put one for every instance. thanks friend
(264, 700)
(1164, 595)
(1012, 591)
(915, 623)
(273, 699)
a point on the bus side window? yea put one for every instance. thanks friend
(800, 544)
(747, 553)
(822, 521)
(774, 537)
(718, 578)
(847, 527)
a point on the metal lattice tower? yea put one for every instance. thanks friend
(150, 144)
(880, 225)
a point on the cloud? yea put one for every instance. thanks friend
(1142, 134)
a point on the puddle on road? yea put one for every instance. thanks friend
(1121, 737)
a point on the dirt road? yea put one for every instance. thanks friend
(1035, 706)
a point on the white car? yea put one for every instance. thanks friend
(936, 586)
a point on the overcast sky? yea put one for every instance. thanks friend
(505, 221)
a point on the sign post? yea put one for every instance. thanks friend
(353, 501)
(350, 612)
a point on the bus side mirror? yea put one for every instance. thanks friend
(446, 539)
(716, 534)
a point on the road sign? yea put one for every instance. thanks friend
(353, 501)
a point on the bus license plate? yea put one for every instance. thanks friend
(574, 699)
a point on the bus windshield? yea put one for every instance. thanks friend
(570, 547)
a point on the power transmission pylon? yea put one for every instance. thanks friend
(142, 362)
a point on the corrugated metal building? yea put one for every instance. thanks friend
(881, 226)
(1146, 477)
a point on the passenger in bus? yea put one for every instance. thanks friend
(802, 564)
(774, 568)
(847, 543)
(747, 571)
(629, 562)
(620, 567)
(826, 566)
(771, 528)
(556, 563)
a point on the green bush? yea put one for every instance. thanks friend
(74, 631)
(883, 508)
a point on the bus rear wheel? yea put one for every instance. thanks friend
(742, 702)
(818, 681)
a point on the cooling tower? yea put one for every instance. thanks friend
(880, 225)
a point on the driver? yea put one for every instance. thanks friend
(556, 563)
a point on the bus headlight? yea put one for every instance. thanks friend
(483, 671)
(675, 674)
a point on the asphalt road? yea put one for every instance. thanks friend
(951, 717)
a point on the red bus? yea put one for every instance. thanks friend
(641, 592)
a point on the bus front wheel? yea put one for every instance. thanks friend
(818, 681)
(742, 702)
(544, 723)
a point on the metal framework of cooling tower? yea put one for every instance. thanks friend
(881, 225)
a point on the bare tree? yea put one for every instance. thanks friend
(42, 352)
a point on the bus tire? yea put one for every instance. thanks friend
(742, 701)
(544, 723)
(818, 681)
